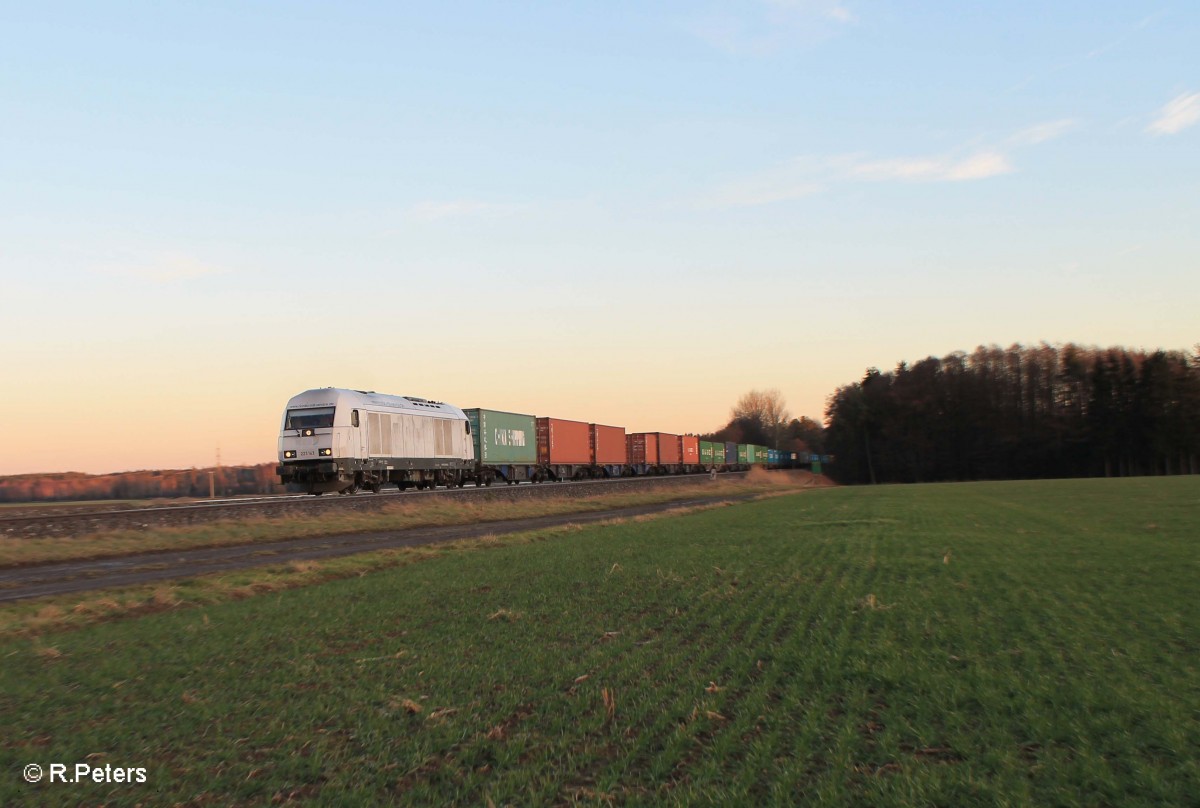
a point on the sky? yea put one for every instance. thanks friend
(618, 212)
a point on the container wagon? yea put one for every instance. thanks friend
(563, 449)
(669, 460)
(642, 448)
(505, 446)
(689, 453)
(607, 450)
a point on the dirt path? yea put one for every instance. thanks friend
(22, 583)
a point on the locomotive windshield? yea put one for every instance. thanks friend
(313, 418)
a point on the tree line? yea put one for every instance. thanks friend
(225, 481)
(1017, 413)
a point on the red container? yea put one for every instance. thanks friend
(562, 442)
(668, 449)
(607, 444)
(689, 450)
(643, 448)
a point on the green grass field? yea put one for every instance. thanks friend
(994, 644)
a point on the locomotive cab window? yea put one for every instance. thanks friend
(467, 424)
(353, 417)
(311, 418)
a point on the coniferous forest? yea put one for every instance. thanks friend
(1018, 413)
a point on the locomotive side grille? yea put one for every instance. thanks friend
(410, 434)
(401, 434)
(373, 442)
(439, 438)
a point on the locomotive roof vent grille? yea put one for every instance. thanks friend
(424, 402)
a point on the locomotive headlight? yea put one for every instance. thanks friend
(327, 453)
(289, 453)
(308, 433)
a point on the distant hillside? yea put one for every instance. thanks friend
(72, 485)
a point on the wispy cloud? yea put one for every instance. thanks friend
(164, 267)
(1177, 115)
(793, 180)
(769, 26)
(935, 169)
(1042, 132)
(433, 211)
(805, 176)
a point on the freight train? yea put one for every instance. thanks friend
(333, 439)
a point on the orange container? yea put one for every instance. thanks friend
(668, 448)
(562, 442)
(689, 450)
(643, 448)
(607, 444)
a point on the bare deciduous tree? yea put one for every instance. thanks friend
(766, 408)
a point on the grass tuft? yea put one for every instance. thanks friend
(407, 705)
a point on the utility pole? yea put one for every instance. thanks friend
(211, 489)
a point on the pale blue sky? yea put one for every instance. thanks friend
(619, 212)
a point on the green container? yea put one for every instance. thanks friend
(761, 455)
(706, 453)
(745, 454)
(503, 437)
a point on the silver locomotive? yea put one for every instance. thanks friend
(343, 440)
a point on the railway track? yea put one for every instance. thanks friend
(56, 522)
(58, 578)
